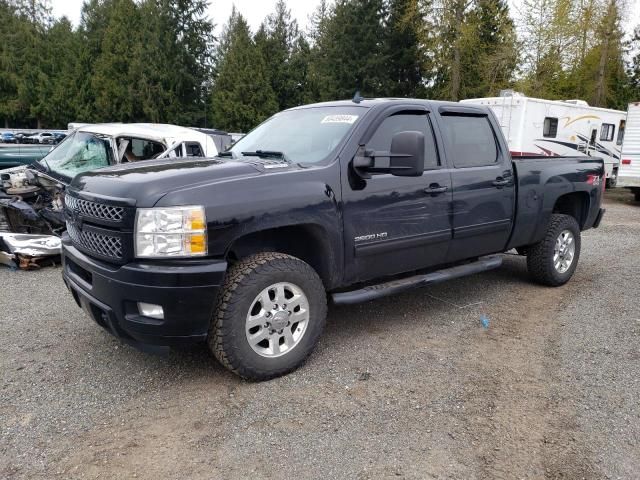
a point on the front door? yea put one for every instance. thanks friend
(396, 224)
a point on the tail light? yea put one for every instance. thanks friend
(626, 161)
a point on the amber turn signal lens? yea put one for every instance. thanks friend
(197, 243)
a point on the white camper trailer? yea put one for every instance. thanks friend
(534, 126)
(629, 173)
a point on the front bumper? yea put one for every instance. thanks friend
(109, 294)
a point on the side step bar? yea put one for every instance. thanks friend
(396, 286)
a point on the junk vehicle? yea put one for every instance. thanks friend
(31, 197)
(350, 200)
(534, 126)
(629, 174)
(16, 155)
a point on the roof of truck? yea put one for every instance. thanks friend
(373, 102)
(151, 131)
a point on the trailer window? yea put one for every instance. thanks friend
(607, 131)
(550, 128)
(623, 123)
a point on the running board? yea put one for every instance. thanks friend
(396, 286)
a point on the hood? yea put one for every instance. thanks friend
(143, 184)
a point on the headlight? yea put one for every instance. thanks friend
(171, 232)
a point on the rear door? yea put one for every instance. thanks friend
(397, 224)
(483, 183)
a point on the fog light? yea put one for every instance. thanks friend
(150, 310)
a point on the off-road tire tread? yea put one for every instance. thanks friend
(243, 274)
(540, 255)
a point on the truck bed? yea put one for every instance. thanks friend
(541, 181)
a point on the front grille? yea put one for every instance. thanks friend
(95, 210)
(101, 244)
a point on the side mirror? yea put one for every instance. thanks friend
(407, 154)
(406, 158)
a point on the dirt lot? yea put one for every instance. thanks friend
(411, 386)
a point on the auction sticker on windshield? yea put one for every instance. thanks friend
(339, 119)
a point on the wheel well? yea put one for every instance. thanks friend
(309, 243)
(575, 204)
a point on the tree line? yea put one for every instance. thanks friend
(159, 60)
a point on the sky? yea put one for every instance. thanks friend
(219, 11)
(256, 10)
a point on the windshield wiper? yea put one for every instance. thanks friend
(265, 153)
(272, 154)
(225, 154)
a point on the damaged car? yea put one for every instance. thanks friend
(32, 197)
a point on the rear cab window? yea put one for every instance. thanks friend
(470, 140)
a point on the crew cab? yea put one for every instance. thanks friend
(347, 201)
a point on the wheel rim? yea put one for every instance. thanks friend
(564, 251)
(277, 319)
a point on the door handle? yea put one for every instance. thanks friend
(501, 182)
(435, 189)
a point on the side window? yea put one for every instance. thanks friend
(139, 149)
(145, 149)
(623, 124)
(403, 122)
(607, 131)
(193, 149)
(550, 128)
(470, 141)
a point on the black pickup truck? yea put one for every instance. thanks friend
(347, 200)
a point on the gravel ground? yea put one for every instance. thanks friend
(410, 386)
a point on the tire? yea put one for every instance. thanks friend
(542, 263)
(636, 195)
(612, 181)
(251, 285)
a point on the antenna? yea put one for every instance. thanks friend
(357, 98)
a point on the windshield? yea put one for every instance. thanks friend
(79, 152)
(304, 136)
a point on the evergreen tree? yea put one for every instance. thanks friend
(178, 37)
(455, 39)
(9, 76)
(242, 94)
(405, 49)
(498, 49)
(542, 60)
(634, 66)
(610, 70)
(353, 51)
(276, 39)
(57, 94)
(112, 81)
